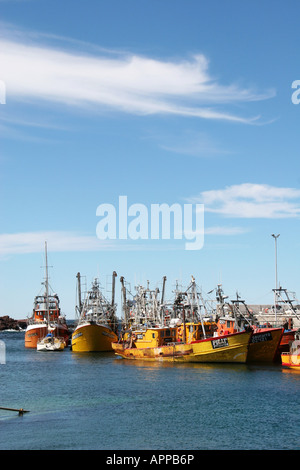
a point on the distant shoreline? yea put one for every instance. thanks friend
(8, 323)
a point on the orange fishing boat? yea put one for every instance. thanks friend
(264, 342)
(41, 323)
(46, 317)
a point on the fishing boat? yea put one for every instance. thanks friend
(291, 359)
(234, 317)
(145, 331)
(165, 343)
(160, 344)
(151, 344)
(46, 316)
(51, 343)
(98, 325)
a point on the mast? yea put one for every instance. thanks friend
(183, 321)
(124, 299)
(275, 290)
(163, 289)
(114, 275)
(79, 293)
(46, 286)
(162, 309)
(196, 298)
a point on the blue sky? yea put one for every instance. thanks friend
(164, 102)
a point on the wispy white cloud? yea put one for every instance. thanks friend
(225, 231)
(32, 242)
(64, 241)
(250, 200)
(193, 144)
(125, 82)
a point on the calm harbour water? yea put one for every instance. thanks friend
(101, 402)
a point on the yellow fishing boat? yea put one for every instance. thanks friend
(230, 348)
(97, 326)
(179, 341)
(160, 344)
(93, 337)
(151, 344)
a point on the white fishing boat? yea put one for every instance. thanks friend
(51, 343)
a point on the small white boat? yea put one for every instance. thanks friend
(51, 343)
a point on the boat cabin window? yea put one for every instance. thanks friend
(167, 333)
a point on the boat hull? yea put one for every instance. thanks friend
(264, 345)
(92, 337)
(232, 348)
(36, 332)
(171, 352)
(291, 361)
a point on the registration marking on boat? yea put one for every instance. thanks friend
(219, 343)
(77, 335)
(259, 337)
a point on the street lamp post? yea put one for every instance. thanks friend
(275, 294)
